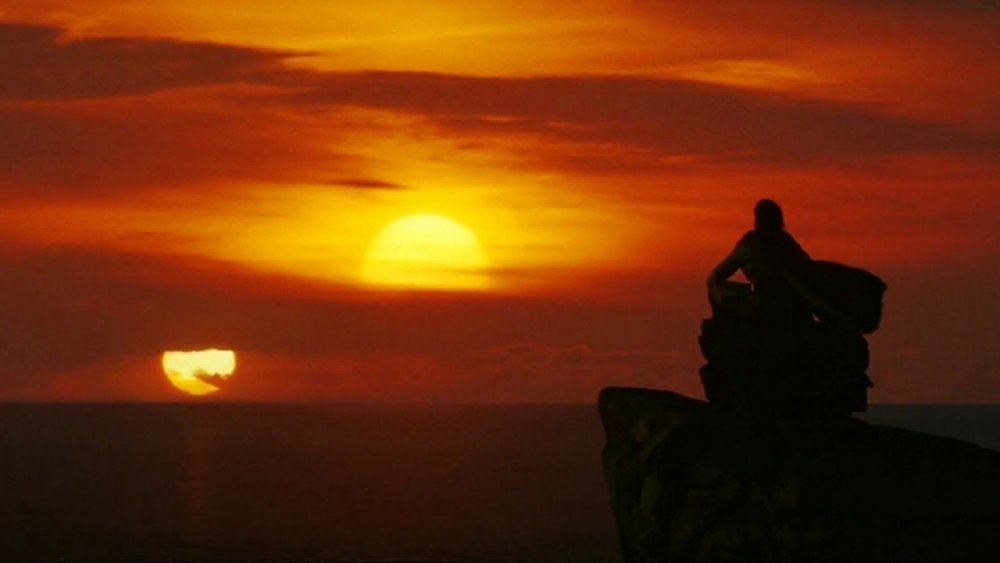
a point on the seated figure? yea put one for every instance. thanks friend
(766, 350)
(771, 259)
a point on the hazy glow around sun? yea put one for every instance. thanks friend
(426, 251)
(199, 372)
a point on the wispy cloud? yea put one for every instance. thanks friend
(40, 64)
(169, 112)
(671, 117)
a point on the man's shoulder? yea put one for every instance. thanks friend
(776, 236)
(760, 243)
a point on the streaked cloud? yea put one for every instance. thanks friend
(40, 63)
(185, 138)
(671, 117)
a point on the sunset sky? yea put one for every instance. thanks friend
(183, 175)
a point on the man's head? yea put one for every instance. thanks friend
(767, 216)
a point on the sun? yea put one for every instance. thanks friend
(200, 372)
(427, 252)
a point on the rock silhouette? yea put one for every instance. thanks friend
(790, 341)
(814, 363)
(690, 481)
(811, 368)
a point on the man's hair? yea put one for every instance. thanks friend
(767, 216)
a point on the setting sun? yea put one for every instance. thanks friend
(200, 372)
(426, 252)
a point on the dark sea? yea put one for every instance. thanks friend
(327, 482)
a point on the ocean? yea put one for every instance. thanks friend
(327, 482)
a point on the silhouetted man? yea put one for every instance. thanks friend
(770, 259)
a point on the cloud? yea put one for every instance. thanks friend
(186, 138)
(40, 64)
(97, 115)
(973, 7)
(847, 22)
(366, 183)
(86, 116)
(669, 117)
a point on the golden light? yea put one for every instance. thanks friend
(426, 252)
(199, 372)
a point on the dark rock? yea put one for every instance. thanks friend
(691, 481)
(804, 367)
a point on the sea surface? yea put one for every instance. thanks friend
(327, 482)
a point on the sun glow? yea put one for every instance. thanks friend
(426, 252)
(200, 372)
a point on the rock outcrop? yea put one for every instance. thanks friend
(691, 481)
(806, 368)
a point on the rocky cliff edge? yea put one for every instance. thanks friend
(690, 481)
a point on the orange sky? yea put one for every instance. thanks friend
(177, 176)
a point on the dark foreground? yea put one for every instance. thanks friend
(302, 482)
(324, 482)
(694, 482)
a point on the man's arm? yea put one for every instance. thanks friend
(728, 266)
(717, 277)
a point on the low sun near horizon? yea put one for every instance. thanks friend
(200, 372)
